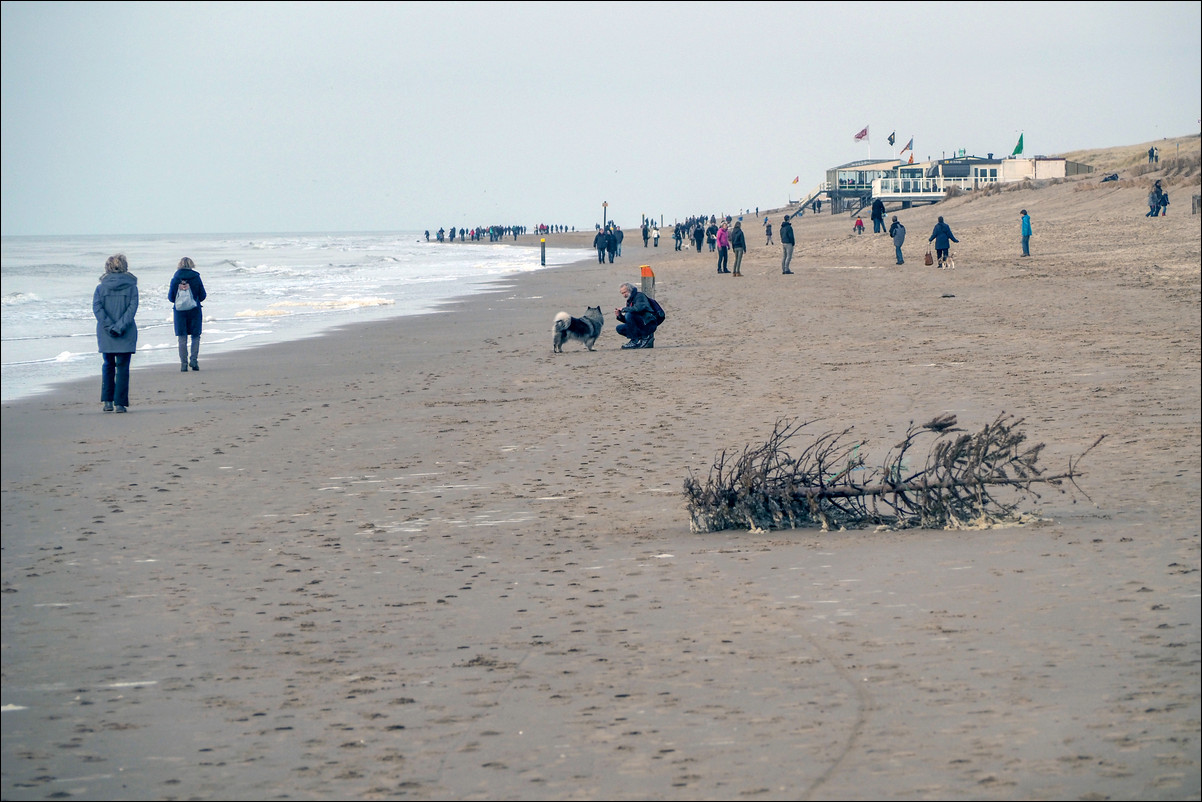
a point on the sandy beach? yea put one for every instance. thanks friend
(431, 559)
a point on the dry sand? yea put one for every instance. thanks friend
(431, 559)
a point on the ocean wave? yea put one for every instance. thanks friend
(65, 356)
(336, 304)
(21, 298)
(271, 270)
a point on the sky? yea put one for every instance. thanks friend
(166, 118)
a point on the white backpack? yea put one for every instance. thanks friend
(183, 298)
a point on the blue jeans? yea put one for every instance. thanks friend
(878, 225)
(114, 379)
(900, 260)
(1026, 246)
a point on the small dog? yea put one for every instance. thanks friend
(582, 329)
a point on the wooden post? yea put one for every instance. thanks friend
(648, 281)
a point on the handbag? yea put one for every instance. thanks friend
(928, 259)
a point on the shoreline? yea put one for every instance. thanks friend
(429, 558)
(153, 354)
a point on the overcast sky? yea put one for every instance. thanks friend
(280, 117)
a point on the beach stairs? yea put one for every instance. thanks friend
(823, 188)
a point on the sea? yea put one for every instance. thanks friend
(262, 288)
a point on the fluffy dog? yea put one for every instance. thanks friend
(584, 329)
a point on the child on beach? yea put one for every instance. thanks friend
(859, 226)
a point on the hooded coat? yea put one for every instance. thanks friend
(115, 303)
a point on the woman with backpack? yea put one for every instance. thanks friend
(186, 293)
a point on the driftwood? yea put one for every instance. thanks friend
(829, 483)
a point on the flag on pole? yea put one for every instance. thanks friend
(909, 146)
(1018, 149)
(862, 135)
(911, 157)
(796, 179)
(892, 139)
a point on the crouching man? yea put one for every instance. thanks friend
(637, 320)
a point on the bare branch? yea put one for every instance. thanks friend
(829, 483)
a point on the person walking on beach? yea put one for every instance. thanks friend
(943, 237)
(698, 236)
(611, 244)
(711, 236)
(898, 231)
(655, 236)
(1026, 229)
(646, 233)
(878, 216)
(738, 243)
(115, 304)
(768, 231)
(859, 225)
(677, 235)
(636, 321)
(723, 240)
(619, 235)
(599, 243)
(1154, 200)
(186, 283)
(786, 243)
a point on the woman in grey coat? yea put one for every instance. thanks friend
(115, 303)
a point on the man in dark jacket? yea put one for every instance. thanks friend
(786, 242)
(637, 320)
(599, 242)
(878, 216)
(611, 244)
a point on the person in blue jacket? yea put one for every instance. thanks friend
(188, 322)
(115, 304)
(1026, 233)
(942, 237)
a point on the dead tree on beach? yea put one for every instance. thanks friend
(829, 483)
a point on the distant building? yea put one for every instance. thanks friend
(852, 186)
(928, 182)
(848, 185)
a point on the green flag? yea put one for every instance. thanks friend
(1018, 149)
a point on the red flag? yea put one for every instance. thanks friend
(911, 157)
(863, 134)
(795, 180)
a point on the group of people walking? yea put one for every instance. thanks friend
(1158, 201)
(115, 307)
